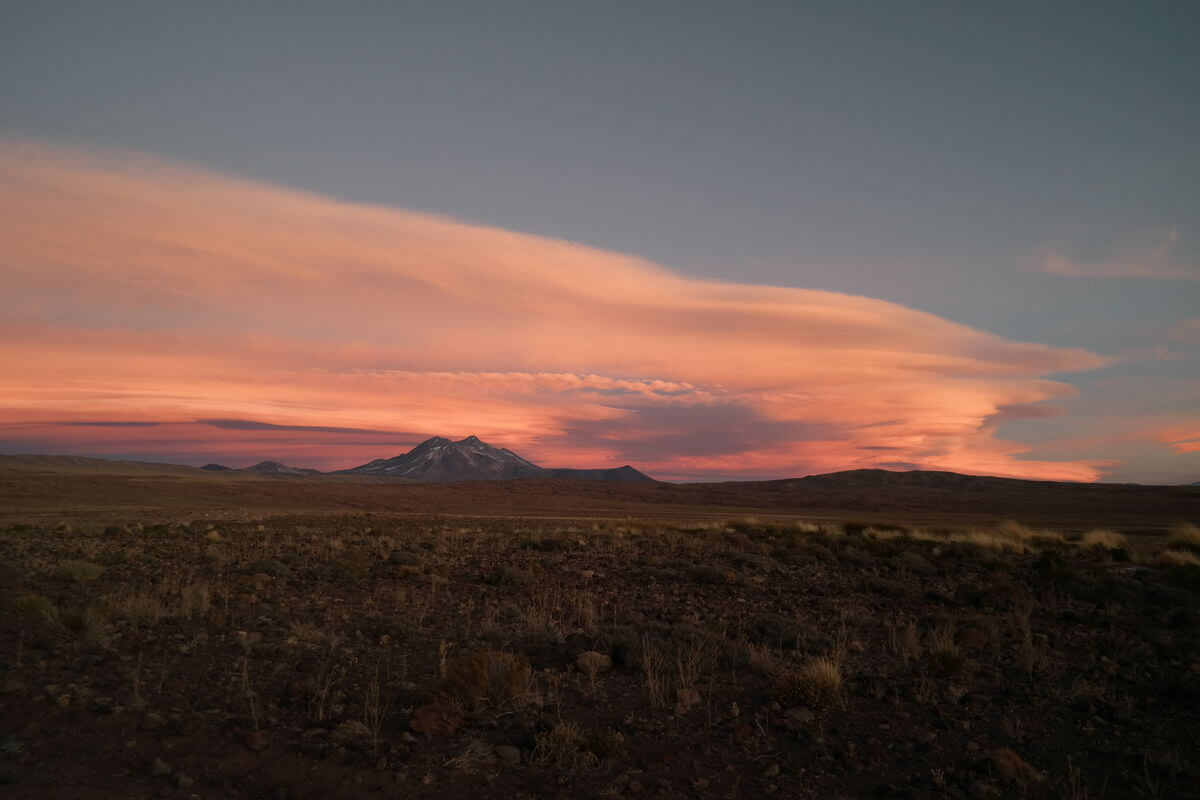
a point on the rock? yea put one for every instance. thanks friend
(160, 767)
(800, 714)
(509, 756)
(686, 700)
(261, 580)
(183, 781)
(350, 730)
(592, 662)
(256, 740)
(771, 771)
(979, 790)
(435, 720)
(151, 722)
(973, 639)
(1012, 766)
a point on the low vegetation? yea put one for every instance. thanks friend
(392, 655)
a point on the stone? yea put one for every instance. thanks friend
(350, 730)
(800, 714)
(183, 781)
(509, 755)
(160, 767)
(771, 771)
(1012, 766)
(151, 722)
(435, 720)
(592, 662)
(980, 790)
(686, 700)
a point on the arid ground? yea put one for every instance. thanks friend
(167, 633)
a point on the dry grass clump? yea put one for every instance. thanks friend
(82, 626)
(80, 571)
(1109, 540)
(944, 653)
(570, 746)
(477, 756)
(668, 667)
(818, 683)
(143, 607)
(904, 640)
(32, 605)
(1178, 558)
(487, 679)
(1185, 536)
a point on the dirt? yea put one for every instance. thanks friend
(375, 654)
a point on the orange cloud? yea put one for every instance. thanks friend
(139, 290)
(1182, 438)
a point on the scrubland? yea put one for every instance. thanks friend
(377, 655)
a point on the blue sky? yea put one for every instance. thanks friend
(942, 156)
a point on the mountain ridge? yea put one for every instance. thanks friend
(440, 459)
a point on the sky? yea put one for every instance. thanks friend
(714, 241)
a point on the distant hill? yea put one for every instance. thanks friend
(471, 459)
(625, 473)
(276, 468)
(216, 468)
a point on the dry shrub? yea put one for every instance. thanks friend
(194, 600)
(904, 640)
(487, 679)
(944, 652)
(1109, 540)
(1178, 558)
(476, 757)
(818, 683)
(570, 746)
(143, 607)
(81, 626)
(80, 571)
(1185, 536)
(33, 605)
(673, 665)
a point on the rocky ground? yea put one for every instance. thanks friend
(376, 655)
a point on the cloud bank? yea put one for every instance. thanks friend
(252, 321)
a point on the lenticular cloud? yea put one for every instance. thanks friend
(138, 290)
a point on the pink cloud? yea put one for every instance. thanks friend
(141, 290)
(1148, 255)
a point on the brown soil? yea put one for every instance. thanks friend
(236, 651)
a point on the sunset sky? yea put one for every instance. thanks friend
(714, 241)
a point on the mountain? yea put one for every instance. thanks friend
(275, 468)
(472, 459)
(216, 468)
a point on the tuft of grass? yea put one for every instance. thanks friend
(143, 607)
(80, 571)
(82, 626)
(487, 679)
(944, 652)
(477, 756)
(570, 746)
(33, 605)
(1178, 558)
(818, 683)
(1109, 540)
(1185, 536)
